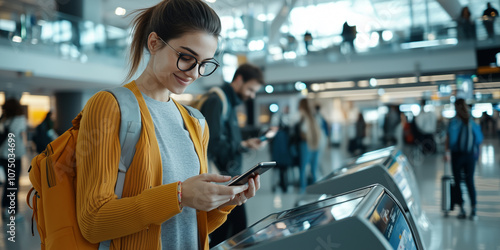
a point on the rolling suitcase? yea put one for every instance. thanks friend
(447, 186)
(448, 191)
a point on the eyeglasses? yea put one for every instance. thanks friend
(187, 62)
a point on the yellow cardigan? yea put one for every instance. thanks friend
(134, 221)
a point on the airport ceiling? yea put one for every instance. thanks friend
(222, 7)
(254, 7)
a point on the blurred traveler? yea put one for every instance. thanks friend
(226, 145)
(44, 133)
(391, 120)
(406, 138)
(487, 124)
(466, 26)
(325, 132)
(282, 147)
(308, 40)
(496, 119)
(426, 124)
(489, 16)
(169, 201)
(349, 34)
(291, 43)
(325, 127)
(310, 134)
(463, 139)
(360, 133)
(13, 127)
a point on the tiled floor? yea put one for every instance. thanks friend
(447, 232)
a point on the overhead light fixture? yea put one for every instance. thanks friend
(211, 1)
(299, 86)
(269, 89)
(387, 35)
(339, 85)
(119, 11)
(274, 108)
(363, 83)
(315, 87)
(406, 80)
(429, 43)
(389, 81)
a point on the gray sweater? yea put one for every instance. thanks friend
(180, 162)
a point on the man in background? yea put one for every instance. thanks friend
(226, 145)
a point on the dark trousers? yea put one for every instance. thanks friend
(464, 162)
(283, 182)
(235, 223)
(11, 184)
(490, 29)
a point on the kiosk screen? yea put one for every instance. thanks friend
(302, 222)
(390, 221)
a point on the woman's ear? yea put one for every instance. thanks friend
(153, 43)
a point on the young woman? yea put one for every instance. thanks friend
(463, 139)
(310, 134)
(168, 202)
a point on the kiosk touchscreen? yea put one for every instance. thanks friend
(366, 218)
(388, 167)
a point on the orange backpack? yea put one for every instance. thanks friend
(53, 176)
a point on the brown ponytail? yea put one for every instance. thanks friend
(170, 19)
(462, 110)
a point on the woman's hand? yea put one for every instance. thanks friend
(200, 193)
(241, 198)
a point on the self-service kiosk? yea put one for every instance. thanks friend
(365, 218)
(388, 167)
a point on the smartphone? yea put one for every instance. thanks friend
(260, 168)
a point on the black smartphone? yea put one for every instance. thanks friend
(260, 168)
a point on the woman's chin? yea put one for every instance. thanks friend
(178, 91)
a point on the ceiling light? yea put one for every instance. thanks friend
(405, 80)
(387, 35)
(339, 85)
(300, 86)
(269, 89)
(274, 108)
(119, 11)
(363, 83)
(211, 1)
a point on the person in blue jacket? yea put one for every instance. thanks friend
(462, 143)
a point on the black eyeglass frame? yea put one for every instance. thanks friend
(180, 54)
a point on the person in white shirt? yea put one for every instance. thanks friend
(426, 123)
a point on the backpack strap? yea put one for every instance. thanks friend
(130, 130)
(198, 115)
(223, 98)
